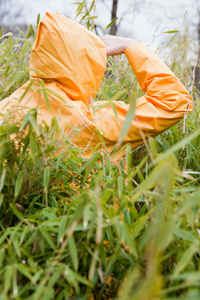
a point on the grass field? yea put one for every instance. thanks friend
(72, 228)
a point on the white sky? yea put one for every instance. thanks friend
(149, 19)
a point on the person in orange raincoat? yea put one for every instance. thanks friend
(71, 61)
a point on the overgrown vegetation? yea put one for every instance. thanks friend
(75, 228)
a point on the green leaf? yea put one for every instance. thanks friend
(16, 78)
(150, 182)
(5, 35)
(62, 229)
(4, 236)
(2, 256)
(185, 258)
(16, 245)
(126, 237)
(45, 95)
(177, 146)
(48, 238)
(54, 124)
(171, 31)
(38, 19)
(33, 122)
(73, 252)
(128, 159)
(33, 145)
(127, 122)
(37, 71)
(106, 195)
(90, 164)
(127, 216)
(27, 89)
(2, 178)
(8, 275)
(91, 6)
(110, 24)
(185, 235)
(46, 177)
(28, 32)
(17, 212)
(18, 183)
(26, 271)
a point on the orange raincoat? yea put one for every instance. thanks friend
(71, 60)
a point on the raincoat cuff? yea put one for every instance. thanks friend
(134, 48)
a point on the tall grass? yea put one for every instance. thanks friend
(75, 228)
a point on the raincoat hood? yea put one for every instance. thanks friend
(63, 46)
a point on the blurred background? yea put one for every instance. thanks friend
(145, 20)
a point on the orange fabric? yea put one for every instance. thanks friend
(70, 54)
(72, 61)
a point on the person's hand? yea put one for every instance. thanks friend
(116, 44)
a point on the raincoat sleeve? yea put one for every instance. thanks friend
(163, 105)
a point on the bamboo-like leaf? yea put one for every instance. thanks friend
(17, 212)
(8, 275)
(72, 276)
(185, 235)
(127, 216)
(91, 6)
(127, 122)
(27, 89)
(150, 182)
(46, 177)
(26, 271)
(6, 34)
(4, 236)
(79, 9)
(28, 32)
(106, 195)
(126, 237)
(73, 252)
(14, 79)
(2, 256)
(45, 95)
(128, 159)
(48, 238)
(32, 30)
(18, 183)
(186, 257)
(37, 71)
(16, 245)
(2, 178)
(33, 122)
(1, 199)
(90, 164)
(54, 124)
(38, 19)
(177, 146)
(110, 24)
(171, 31)
(86, 216)
(20, 31)
(91, 18)
(33, 145)
(62, 229)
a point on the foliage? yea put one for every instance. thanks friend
(75, 228)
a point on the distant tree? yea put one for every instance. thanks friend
(113, 29)
(130, 8)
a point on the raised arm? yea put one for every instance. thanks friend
(163, 105)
